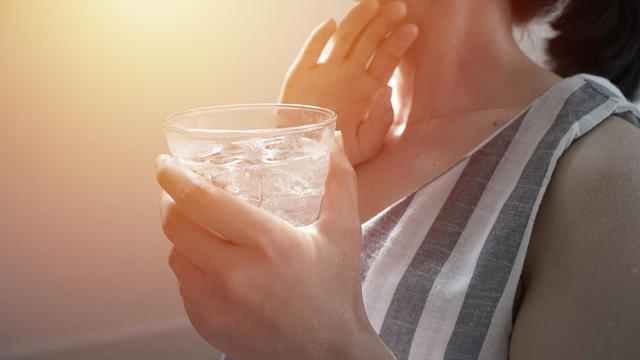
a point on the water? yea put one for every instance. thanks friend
(284, 174)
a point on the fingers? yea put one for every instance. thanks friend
(214, 208)
(316, 43)
(340, 201)
(189, 275)
(376, 31)
(351, 27)
(207, 250)
(391, 51)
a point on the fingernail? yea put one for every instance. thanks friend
(161, 159)
(412, 32)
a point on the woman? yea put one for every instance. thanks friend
(450, 206)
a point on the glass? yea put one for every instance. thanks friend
(274, 156)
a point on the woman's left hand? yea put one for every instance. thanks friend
(256, 287)
(367, 46)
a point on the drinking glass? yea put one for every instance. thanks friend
(274, 156)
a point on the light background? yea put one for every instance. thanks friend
(84, 85)
(83, 88)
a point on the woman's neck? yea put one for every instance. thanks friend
(463, 76)
(464, 60)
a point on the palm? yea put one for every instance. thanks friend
(346, 90)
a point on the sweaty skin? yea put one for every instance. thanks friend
(581, 279)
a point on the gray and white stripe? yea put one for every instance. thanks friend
(504, 241)
(496, 340)
(447, 292)
(469, 246)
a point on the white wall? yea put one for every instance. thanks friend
(83, 88)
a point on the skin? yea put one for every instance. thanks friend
(255, 287)
(451, 85)
(581, 280)
(346, 82)
(580, 286)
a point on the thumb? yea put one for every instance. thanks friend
(374, 129)
(380, 115)
(339, 210)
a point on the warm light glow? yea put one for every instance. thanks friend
(141, 10)
(84, 86)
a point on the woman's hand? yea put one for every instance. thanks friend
(256, 287)
(353, 79)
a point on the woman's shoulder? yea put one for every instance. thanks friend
(581, 278)
(608, 154)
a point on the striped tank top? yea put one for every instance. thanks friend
(440, 268)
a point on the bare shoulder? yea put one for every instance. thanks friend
(581, 279)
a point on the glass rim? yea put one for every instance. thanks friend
(167, 122)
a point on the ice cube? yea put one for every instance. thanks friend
(202, 150)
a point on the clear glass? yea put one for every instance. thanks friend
(274, 156)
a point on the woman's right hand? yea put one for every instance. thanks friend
(353, 79)
(256, 287)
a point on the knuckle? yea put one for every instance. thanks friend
(390, 53)
(169, 221)
(190, 193)
(371, 37)
(173, 258)
(162, 175)
(237, 284)
(345, 36)
(183, 291)
(348, 171)
(383, 23)
(252, 296)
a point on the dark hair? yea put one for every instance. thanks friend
(599, 37)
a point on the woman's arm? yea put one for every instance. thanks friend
(581, 278)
